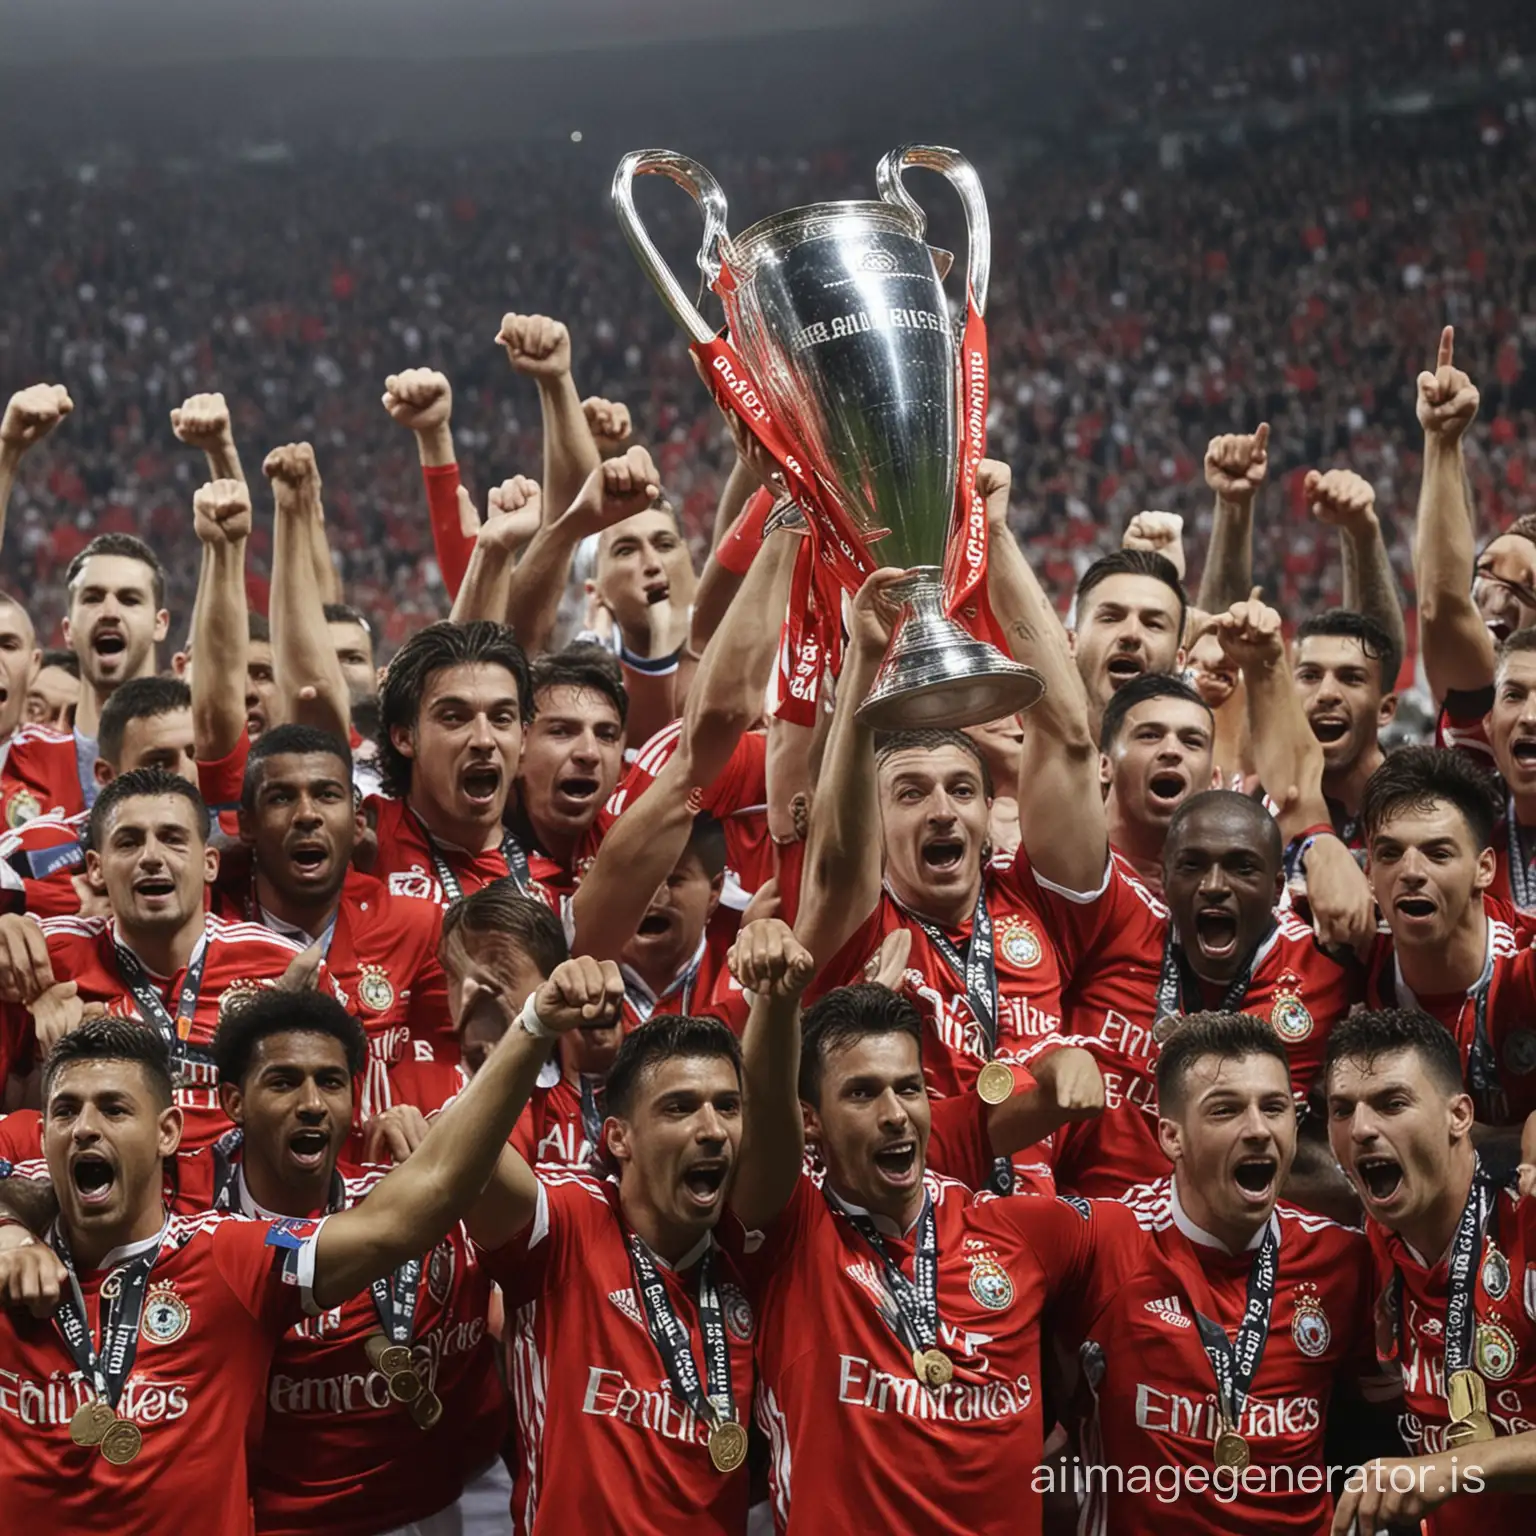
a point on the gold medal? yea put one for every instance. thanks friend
(385, 1356)
(90, 1422)
(994, 1085)
(121, 1443)
(1231, 1450)
(933, 1367)
(405, 1386)
(1465, 1395)
(1476, 1429)
(427, 1409)
(727, 1445)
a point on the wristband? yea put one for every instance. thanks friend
(1310, 834)
(655, 666)
(530, 1020)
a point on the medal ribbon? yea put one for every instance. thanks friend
(977, 968)
(1521, 885)
(511, 851)
(915, 1319)
(122, 1305)
(800, 644)
(965, 557)
(710, 1400)
(394, 1298)
(591, 1120)
(1461, 1274)
(170, 1022)
(1235, 1365)
(1177, 983)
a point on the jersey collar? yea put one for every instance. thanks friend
(1406, 997)
(1204, 1239)
(882, 1224)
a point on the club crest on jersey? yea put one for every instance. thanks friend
(440, 1272)
(23, 807)
(1520, 1052)
(1020, 944)
(1309, 1323)
(1289, 1015)
(1495, 1274)
(373, 988)
(236, 993)
(416, 883)
(166, 1316)
(1495, 1351)
(991, 1284)
(738, 1313)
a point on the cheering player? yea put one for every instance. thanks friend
(1455, 1244)
(171, 1376)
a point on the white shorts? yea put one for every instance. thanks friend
(483, 1509)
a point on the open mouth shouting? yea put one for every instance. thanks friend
(109, 645)
(1216, 933)
(155, 892)
(657, 592)
(1124, 667)
(1501, 629)
(480, 784)
(93, 1178)
(1255, 1178)
(943, 855)
(1330, 729)
(310, 860)
(655, 924)
(704, 1182)
(1166, 788)
(896, 1163)
(1380, 1176)
(1415, 908)
(576, 793)
(1523, 750)
(309, 1147)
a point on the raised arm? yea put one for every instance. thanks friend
(1159, 533)
(514, 514)
(203, 422)
(1457, 649)
(30, 415)
(540, 349)
(1061, 804)
(421, 399)
(844, 855)
(412, 1209)
(1347, 501)
(309, 675)
(1235, 467)
(221, 516)
(774, 969)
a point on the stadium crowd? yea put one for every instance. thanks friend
(492, 1037)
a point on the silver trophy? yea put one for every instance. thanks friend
(838, 312)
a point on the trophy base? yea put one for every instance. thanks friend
(937, 675)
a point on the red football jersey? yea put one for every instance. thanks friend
(738, 799)
(1504, 1354)
(605, 1443)
(39, 860)
(21, 1139)
(1462, 724)
(240, 958)
(550, 1132)
(1510, 973)
(1111, 944)
(690, 992)
(382, 960)
(1029, 982)
(221, 1294)
(42, 774)
(404, 860)
(1147, 1389)
(856, 1443)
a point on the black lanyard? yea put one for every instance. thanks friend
(977, 967)
(643, 1001)
(1521, 886)
(591, 1118)
(1461, 1273)
(122, 1305)
(913, 1314)
(710, 1399)
(1235, 1365)
(1482, 1064)
(511, 851)
(174, 1024)
(1178, 987)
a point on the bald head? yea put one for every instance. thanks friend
(1234, 816)
(19, 661)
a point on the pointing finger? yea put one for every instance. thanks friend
(1447, 347)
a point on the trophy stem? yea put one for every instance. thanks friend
(936, 674)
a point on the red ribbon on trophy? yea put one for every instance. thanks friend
(965, 555)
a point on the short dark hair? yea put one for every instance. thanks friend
(140, 698)
(1413, 778)
(1150, 685)
(582, 666)
(282, 740)
(65, 661)
(113, 1038)
(931, 739)
(1373, 639)
(1521, 641)
(1231, 1036)
(706, 842)
(661, 1038)
(258, 627)
(1373, 1032)
(1266, 830)
(846, 1014)
(428, 652)
(267, 1011)
(143, 781)
(345, 613)
(1134, 562)
(128, 548)
(501, 908)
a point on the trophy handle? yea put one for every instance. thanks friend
(961, 175)
(701, 185)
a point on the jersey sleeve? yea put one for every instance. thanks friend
(758, 1252)
(1080, 1245)
(1080, 922)
(21, 1138)
(220, 780)
(744, 779)
(536, 1257)
(269, 1266)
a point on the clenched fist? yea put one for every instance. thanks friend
(580, 991)
(536, 345)
(1236, 464)
(609, 423)
(1160, 532)
(514, 511)
(292, 466)
(202, 421)
(1448, 399)
(221, 512)
(31, 414)
(419, 398)
(616, 489)
(1341, 497)
(769, 961)
(1250, 633)
(994, 482)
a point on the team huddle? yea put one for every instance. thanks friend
(535, 1086)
